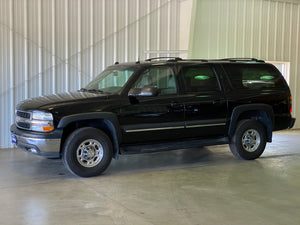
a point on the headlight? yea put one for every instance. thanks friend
(39, 125)
(42, 121)
(39, 115)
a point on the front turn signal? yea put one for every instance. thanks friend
(46, 129)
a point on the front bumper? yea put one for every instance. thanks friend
(47, 145)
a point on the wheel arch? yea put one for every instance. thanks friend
(260, 112)
(107, 122)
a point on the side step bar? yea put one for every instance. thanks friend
(165, 146)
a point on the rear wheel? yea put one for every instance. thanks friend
(87, 152)
(249, 140)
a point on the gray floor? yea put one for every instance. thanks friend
(188, 187)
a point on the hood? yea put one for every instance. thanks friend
(50, 101)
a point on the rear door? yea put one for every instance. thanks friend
(205, 106)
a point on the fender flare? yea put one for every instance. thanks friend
(110, 119)
(268, 122)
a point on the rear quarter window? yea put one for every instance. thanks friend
(254, 76)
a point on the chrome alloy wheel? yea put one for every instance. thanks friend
(250, 140)
(89, 153)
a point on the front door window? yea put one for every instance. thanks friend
(160, 77)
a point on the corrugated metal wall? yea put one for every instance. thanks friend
(261, 29)
(49, 46)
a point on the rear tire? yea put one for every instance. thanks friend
(249, 140)
(87, 152)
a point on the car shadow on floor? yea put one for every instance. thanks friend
(175, 159)
(31, 165)
(42, 168)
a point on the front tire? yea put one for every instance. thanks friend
(249, 140)
(87, 152)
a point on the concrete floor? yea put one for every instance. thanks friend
(195, 186)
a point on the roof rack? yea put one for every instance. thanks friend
(158, 58)
(202, 60)
(241, 59)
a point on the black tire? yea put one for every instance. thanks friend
(87, 152)
(249, 140)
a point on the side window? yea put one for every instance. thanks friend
(159, 77)
(254, 76)
(199, 78)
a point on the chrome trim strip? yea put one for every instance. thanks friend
(206, 125)
(170, 128)
(153, 129)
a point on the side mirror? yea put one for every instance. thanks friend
(147, 91)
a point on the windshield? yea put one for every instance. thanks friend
(110, 80)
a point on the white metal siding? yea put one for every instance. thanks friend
(263, 29)
(50, 46)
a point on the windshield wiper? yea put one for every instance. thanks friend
(94, 90)
(82, 90)
(90, 90)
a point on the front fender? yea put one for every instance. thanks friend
(110, 120)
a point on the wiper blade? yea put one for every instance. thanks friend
(95, 90)
(82, 90)
(90, 90)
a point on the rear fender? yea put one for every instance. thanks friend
(261, 112)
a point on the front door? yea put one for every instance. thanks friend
(153, 118)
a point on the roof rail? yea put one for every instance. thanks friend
(158, 58)
(202, 60)
(242, 59)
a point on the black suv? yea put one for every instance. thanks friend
(156, 105)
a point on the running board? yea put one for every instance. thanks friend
(165, 146)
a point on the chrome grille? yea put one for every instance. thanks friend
(23, 119)
(23, 125)
(23, 114)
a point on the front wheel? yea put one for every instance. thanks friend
(249, 140)
(87, 152)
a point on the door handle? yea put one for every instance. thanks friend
(176, 106)
(174, 103)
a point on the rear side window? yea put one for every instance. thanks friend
(198, 79)
(254, 76)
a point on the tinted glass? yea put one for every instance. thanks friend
(159, 77)
(199, 78)
(254, 76)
